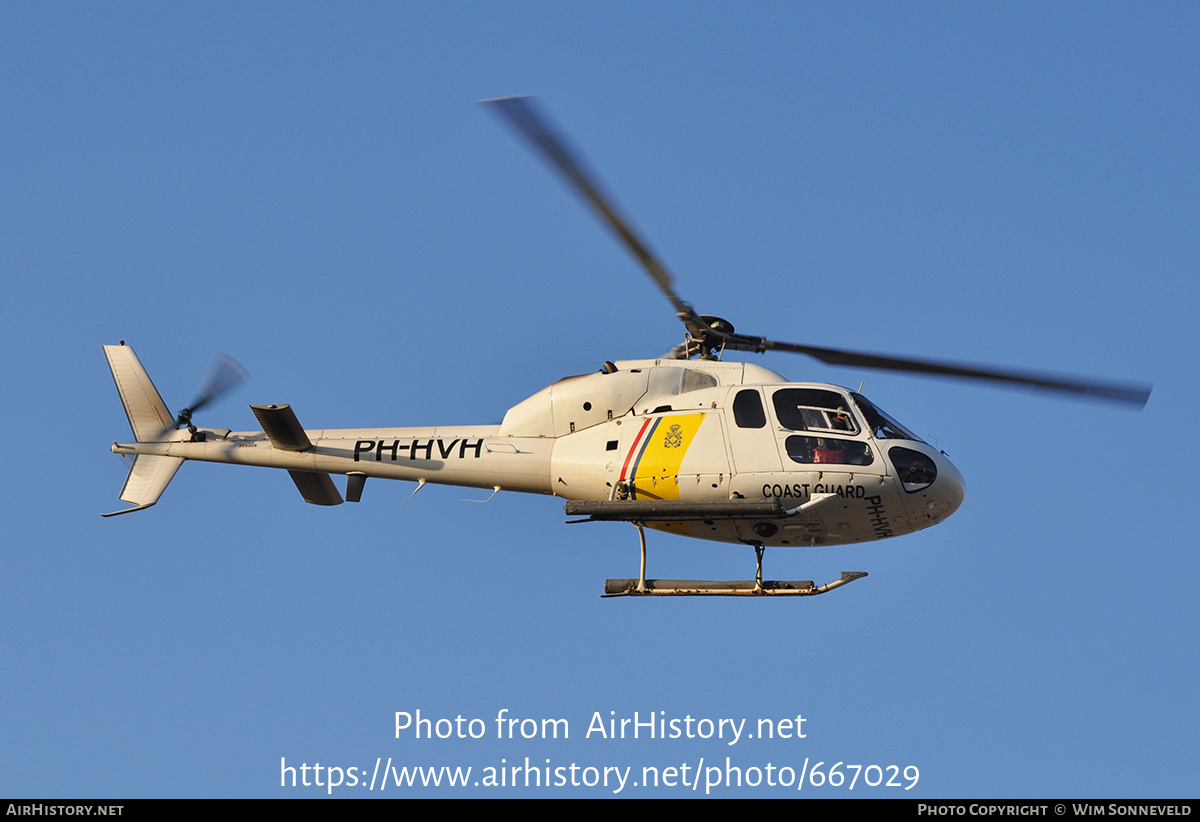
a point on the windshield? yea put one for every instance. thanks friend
(881, 425)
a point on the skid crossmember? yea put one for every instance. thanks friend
(758, 587)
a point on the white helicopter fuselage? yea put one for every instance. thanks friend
(669, 430)
(716, 450)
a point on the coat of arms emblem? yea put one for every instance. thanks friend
(674, 437)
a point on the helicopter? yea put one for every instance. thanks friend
(687, 443)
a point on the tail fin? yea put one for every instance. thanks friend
(149, 418)
(147, 480)
(148, 414)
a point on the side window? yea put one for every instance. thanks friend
(822, 450)
(812, 409)
(748, 411)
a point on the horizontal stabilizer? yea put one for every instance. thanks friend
(674, 510)
(282, 428)
(147, 479)
(316, 487)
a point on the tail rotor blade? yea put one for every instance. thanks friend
(224, 374)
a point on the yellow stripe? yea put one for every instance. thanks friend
(657, 471)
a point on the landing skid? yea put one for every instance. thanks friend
(758, 587)
(735, 588)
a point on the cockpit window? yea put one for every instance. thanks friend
(812, 409)
(882, 426)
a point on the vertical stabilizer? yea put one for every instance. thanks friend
(150, 421)
(148, 414)
(147, 479)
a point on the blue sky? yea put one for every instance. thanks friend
(313, 190)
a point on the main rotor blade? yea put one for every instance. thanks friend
(709, 335)
(522, 113)
(1116, 392)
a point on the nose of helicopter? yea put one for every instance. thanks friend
(949, 489)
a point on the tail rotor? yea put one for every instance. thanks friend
(224, 374)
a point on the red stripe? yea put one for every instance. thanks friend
(641, 452)
(636, 440)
